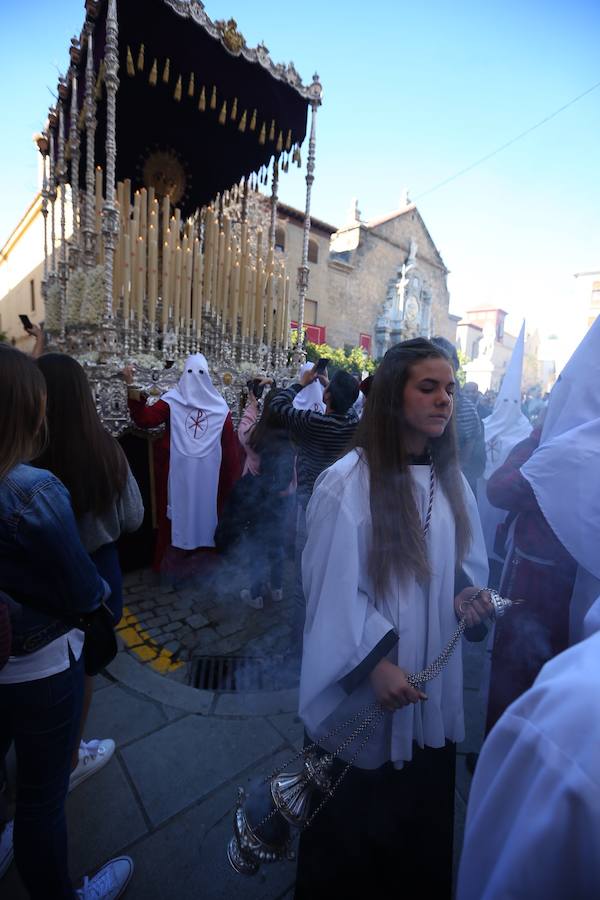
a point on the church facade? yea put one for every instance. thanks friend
(374, 283)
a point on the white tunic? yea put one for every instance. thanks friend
(197, 416)
(533, 823)
(344, 621)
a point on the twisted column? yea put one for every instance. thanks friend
(303, 271)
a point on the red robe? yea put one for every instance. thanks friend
(152, 417)
(540, 572)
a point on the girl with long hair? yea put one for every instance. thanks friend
(393, 532)
(104, 495)
(47, 577)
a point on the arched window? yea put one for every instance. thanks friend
(313, 251)
(280, 238)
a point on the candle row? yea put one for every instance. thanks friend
(177, 273)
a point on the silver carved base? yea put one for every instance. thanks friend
(263, 819)
(104, 351)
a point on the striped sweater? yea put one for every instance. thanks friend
(321, 438)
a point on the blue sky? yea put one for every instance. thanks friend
(412, 94)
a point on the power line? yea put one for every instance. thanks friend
(518, 137)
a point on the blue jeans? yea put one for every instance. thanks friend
(106, 560)
(42, 718)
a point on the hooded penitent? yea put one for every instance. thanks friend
(504, 429)
(564, 472)
(198, 413)
(311, 396)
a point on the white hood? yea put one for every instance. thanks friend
(507, 426)
(197, 410)
(311, 396)
(564, 471)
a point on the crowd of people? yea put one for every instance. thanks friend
(410, 497)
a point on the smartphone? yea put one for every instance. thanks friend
(255, 387)
(321, 365)
(25, 321)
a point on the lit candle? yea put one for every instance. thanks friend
(235, 279)
(127, 199)
(259, 315)
(270, 299)
(188, 257)
(152, 274)
(144, 213)
(126, 276)
(166, 214)
(140, 277)
(177, 286)
(220, 269)
(166, 257)
(197, 288)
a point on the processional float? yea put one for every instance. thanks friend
(157, 240)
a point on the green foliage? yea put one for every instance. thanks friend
(3, 337)
(461, 375)
(355, 360)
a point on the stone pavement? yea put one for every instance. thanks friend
(167, 626)
(166, 796)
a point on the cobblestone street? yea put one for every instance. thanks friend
(168, 627)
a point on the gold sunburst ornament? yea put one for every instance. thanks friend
(163, 171)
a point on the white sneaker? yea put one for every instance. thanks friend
(93, 756)
(109, 882)
(249, 600)
(277, 595)
(6, 847)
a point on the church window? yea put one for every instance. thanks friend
(311, 308)
(313, 251)
(280, 238)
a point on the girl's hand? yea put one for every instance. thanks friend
(473, 611)
(392, 687)
(128, 374)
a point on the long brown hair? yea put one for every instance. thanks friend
(398, 546)
(268, 423)
(22, 407)
(89, 462)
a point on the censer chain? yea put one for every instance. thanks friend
(372, 712)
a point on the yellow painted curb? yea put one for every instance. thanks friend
(140, 643)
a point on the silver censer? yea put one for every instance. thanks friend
(263, 819)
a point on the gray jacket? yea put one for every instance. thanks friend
(125, 514)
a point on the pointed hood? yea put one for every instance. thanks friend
(564, 471)
(507, 426)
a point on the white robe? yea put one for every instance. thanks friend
(344, 622)
(197, 416)
(533, 822)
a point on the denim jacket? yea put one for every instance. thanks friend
(42, 560)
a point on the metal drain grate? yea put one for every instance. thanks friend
(245, 673)
(230, 673)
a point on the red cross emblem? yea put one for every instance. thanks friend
(493, 448)
(196, 423)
